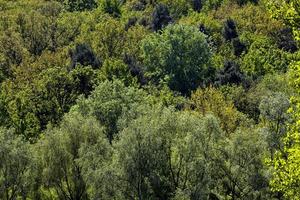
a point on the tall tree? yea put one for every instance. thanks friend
(165, 151)
(274, 117)
(14, 166)
(179, 56)
(109, 102)
(59, 152)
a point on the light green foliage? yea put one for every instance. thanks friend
(240, 169)
(116, 69)
(263, 57)
(14, 166)
(286, 162)
(288, 11)
(106, 38)
(273, 113)
(164, 151)
(286, 177)
(64, 155)
(180, 56)
(109, 102)
(113, 110)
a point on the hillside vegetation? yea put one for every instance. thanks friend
(149, 99)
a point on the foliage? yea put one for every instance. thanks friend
(160, 17)
(180, 56)
(241, 172)
(286, 162)
(149, 99)
(117, 69)
(44, 98)
(63, 154)
(108, 102)
(107, 38)
(230, 31)
(83, 55)
(112, 7)
(273, 110)
(288, 11)
(14, 166)
(79, 5)
(263, 57)
(164, 151)
(212, 101)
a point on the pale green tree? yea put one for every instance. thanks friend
(165, 151)
(14, 166)
(62, 152)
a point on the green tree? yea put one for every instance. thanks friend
(239, 171)
(12, 53)
(164, 151)
(180, 56)
(33, 103)
(286, 162)
(274, 118)
(109, 102)
(287, 10)
(264, 57)
(14, 166)
(116, 69)
(107, 37)
(62, 153)
(37, 31)
(211, 100)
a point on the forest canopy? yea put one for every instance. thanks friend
(149, 99)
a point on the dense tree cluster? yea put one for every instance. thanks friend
(285, 180)
(149, 99)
